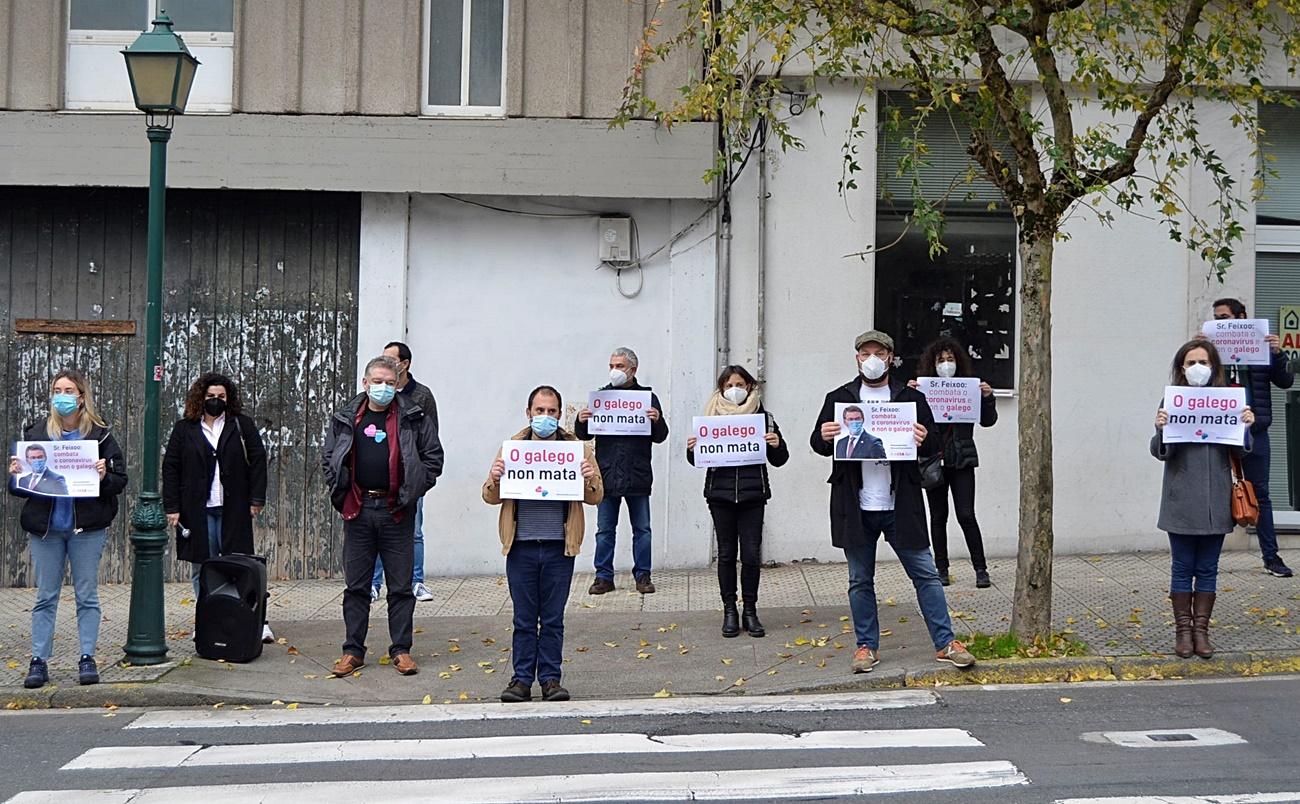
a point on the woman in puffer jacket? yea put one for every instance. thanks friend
(737, 497)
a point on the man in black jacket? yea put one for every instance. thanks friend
(870, 498)
(1255, 464)
(381, 455)
(625, 466)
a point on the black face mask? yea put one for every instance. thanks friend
(214, 406)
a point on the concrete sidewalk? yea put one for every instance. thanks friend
(626, 645)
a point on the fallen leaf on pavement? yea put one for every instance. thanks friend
(428, 699)
(663, 693)
(293, 705)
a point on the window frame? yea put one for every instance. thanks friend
(464, 109)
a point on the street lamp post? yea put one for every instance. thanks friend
(162, 72)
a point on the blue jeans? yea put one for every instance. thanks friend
(214, 546)
(1254, 465)
(51, 555)
(539, 574)
(417, 574)
(919, 566)
(638, 511)
(1194, 557)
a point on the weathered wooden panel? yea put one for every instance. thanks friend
(258, 285)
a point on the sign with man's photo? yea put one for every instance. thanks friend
(58, 468)
(876, 431)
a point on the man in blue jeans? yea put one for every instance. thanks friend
(1255, 464)
(874, 498)
(420, 394)
(625, 467)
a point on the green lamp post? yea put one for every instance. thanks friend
(162, 72)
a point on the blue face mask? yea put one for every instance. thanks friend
(545, 426)
(380, 393)
(38, 465)
(64, 403)
(855, 428)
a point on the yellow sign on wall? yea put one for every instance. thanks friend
(1288, 319)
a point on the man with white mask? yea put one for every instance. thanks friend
(625, 466)
(871, 498)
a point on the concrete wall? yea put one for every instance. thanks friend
(565, 58)
(496, 304)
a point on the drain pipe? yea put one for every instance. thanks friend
(722, 320)
(761, 234)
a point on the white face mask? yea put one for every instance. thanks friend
(873, 368)
(617, 378)
(1198, 374)
(736, 395)
(945, 369)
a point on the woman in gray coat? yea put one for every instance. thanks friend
(1195, 505)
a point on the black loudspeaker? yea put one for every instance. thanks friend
(231, 608)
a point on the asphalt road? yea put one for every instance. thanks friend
(1031, 744)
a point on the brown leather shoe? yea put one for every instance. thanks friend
(405, 664)
(347, 665)
(644, 585)
(600, 586)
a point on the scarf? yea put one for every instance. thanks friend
(719, 405)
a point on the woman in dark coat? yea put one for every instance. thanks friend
(214, 475)
(1195, 504)
(737, 496)
(946, 358)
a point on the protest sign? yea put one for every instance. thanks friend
(1204, 415)
(886, 431)
(58, 468)
(1240, 341)
(542, 470)
(729, 440)
(618, 413)
(954, 401)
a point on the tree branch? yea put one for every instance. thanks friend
(1054, 89)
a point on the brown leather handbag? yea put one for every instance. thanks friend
(1245, 506)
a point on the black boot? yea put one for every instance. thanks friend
(730, 620)
(750, 622)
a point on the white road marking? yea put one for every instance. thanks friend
(1174, 738)
(753, 785)
(1243, 798)
(439, 713)
(232, 756)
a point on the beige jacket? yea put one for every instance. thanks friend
(574, 523)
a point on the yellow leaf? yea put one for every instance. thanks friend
(719, 678)
(293, 705)
(611, 644)
(956, 97)
(1066, 700)
(645, 644)
(428, 699)
(419, 630)
(643, 655)
(727, 661)
(740, 682)
(444, 674)
(385, 660)
(771, 672)
(844, 619)
(585, 722)
(484, 664)
(464, 696)
(12, 665)
(889, 601)
(277, 702)
(282, 641)
(454, 649)
(663, 693)
(802, 641)
(582, 649)
(309, 676)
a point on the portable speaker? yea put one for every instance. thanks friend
(231, 608)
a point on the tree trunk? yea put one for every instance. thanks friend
(1031, 611)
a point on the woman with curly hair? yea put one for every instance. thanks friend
(214, 476)
(947, 358)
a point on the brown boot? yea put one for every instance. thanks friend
(1182, 624)
(1202, 607)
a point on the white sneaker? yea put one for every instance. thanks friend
(267, 636)
(422, 593)
(374, 593)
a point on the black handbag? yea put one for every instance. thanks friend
(931, 470)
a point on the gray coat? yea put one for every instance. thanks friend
(1196, 493)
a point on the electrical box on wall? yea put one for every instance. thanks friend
(615, 244)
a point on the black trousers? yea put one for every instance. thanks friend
(374, 534)
(962, 483)
(739, 529)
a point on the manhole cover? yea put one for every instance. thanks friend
(1166, 738)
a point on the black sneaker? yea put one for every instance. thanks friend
(552, 691)
(982, 580)
(87, 671)
(945, 577)
(38, 674)
(517, 692)
(1276, 567)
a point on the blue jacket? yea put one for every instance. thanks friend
(1258, 393)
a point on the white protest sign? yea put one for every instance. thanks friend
(618, 413)
(542, 470)
(1240, 341)
(1204, 415)
(954, 401)
(729, 440)
(58, 468)
(886, 431)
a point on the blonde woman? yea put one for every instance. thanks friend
(64, 531)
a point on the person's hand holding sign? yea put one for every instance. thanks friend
(690, 442)
(587, 469)
(919, 433)
(498, 469)
(15, 468)
(173, 520)
(1274, 344)
(773, 440)
(1247, 416)
(1162, 418)
(652, 414)
(584, 414)
(830, 430)
(986, 389)
(101, 466)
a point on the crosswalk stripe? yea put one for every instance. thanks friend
(755, 785)
(230, 756)
(441, 713)
(1248, 798)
